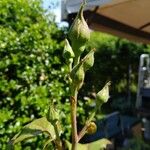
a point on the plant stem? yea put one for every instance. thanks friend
(58, 142)
(74, 120)
(83, 131)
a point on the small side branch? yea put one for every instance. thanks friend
(84, 129)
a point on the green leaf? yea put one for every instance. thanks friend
(79, 147)
(97, 145)
(34, 128)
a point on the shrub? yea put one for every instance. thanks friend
(31, 68)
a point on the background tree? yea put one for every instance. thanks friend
(116, 60)
(31, 68)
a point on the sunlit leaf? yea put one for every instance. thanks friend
(97, 145)
(34, 128)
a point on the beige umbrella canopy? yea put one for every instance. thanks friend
(125, 18)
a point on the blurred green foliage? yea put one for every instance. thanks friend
(114, 59)
(31, 68)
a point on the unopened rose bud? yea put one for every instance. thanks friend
(68, 52)
(103, 95)
(89, 60)
(79, 33)
(92, 128)
(52, 115)
(77, 75)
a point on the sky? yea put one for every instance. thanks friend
(73, 5)
(55, 7)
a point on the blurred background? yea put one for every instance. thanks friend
(33, 73)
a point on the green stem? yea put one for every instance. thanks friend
(74, 120)
(83, 131)
(58, 141)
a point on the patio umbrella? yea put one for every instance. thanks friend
(124, 18)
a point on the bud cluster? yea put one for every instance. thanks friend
(79, 35)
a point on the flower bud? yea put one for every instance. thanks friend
(103, 95)
(54, 118)
(89, 60)
(77, 75)
(79, 33)
(52, 115)
(92, 128)
(68, 52)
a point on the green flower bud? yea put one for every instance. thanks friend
(54, 118)
(103, 95)
(79, 33)
(77, 75)
(68, 53)
(52, 115)
(89, 60)
(92, 128)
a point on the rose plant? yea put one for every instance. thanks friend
(79, 35)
